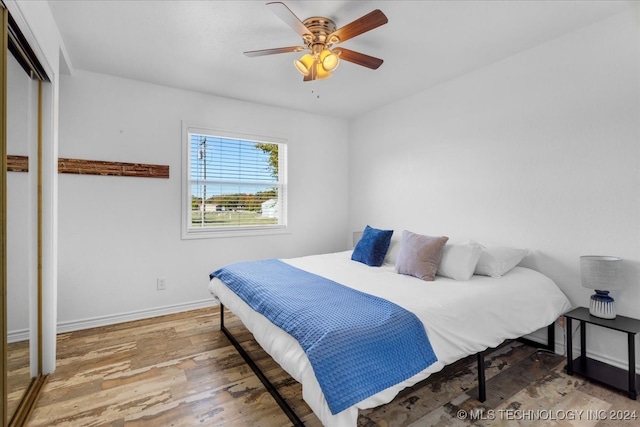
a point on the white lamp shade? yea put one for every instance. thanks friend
(304, 64)
(329, 60)
(320, 72)
(601, 272)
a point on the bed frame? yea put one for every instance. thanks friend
(273, 391)
(482, 390)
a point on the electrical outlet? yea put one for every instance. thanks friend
(161, 283)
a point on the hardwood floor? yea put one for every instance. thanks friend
(18, 374)
(180, 370)
(177, 370)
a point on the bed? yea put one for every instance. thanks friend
(460, 317)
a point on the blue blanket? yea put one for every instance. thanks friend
(358, 344)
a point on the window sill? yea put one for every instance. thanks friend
(226, 233)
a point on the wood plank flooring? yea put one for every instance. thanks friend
(18, 374)
(177, 370)
(180, 370)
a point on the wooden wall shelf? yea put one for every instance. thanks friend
(95, 167)
(17, 163)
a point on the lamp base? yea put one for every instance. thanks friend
(602, 305)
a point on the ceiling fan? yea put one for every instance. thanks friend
(319, 36)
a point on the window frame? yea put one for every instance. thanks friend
(189, 232)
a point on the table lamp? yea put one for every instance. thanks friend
(604, 274)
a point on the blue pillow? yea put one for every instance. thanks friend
(372, 247)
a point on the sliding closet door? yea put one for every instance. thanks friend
(3, 213)
(21, 269)
(21, 76)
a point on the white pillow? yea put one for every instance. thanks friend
(498, 260)
(459, 260)
(394, 249)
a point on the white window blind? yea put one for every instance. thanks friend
(234, 183)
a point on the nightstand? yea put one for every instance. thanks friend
(627, 381)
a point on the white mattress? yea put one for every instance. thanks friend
(461, 318)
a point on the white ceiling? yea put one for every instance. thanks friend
(199, 45)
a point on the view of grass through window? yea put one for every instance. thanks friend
(234, 183)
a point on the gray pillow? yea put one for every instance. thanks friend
(420, 255)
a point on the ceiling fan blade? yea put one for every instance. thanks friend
(361, 25)
(359, 58)
(263, 52)
(289, 18)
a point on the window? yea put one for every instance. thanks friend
(234, 184)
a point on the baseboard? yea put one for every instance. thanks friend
(613, 361)
(94, 322)
(17, 336)
(561, 350)
(618, 363)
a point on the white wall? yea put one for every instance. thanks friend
(118, 234)
(541, 150)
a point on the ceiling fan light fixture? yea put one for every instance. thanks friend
(319, 35)
(329, 60)
(321, 73)
(304, 64)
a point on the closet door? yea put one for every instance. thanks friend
(21, 224)
(22, 114)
